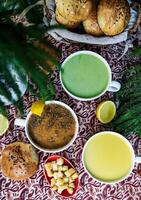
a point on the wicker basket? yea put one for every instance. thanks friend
(67, 35)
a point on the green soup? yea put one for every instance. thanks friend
(85, 76)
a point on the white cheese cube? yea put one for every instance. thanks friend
(65, 168)
(70, 172)
(74, 176)
(66, 179)
(60, 161)
(70, 190)
(60, 174)
(54, 167)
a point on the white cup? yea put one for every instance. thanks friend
(112, 86)
(24, 123)
(134, 159)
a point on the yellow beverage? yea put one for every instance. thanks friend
(108, 157)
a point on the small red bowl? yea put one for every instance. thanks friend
(66, 162)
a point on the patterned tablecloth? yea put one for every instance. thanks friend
(37, 188)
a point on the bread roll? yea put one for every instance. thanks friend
(91, 25)
(74, 10)
(69, 24)
(113, 16)
(19, 161)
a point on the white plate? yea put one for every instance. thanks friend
(60, 34)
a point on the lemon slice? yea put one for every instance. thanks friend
(4, 124)
(37, 107)
(106, 111)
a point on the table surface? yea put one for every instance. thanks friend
(36, 187)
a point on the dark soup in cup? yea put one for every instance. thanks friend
(55, 129)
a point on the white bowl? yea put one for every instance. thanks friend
(112, 86)
(21, 122)
(130, 147)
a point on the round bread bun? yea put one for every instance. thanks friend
(74, 10)
(91, 25)
(19, 161)
(113, 16)
(61, 20)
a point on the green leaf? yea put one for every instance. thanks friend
(35, 15)
(10, 81)
(4, 91)
(34, 32)
(31, 89)
(41, 57)
(20, 106)
(136, 52)
(12, 5)
(3, 109)
(17, 50)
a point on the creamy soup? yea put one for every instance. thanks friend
(85, 76)
(54, 129)
(108, 157)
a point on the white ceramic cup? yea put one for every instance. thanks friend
(134, 158)
(112, 86)
(24, 123)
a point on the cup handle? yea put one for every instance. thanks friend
(20, 122)
(138, 159)
(114, 86)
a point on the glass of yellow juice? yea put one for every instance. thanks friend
(108, 157)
